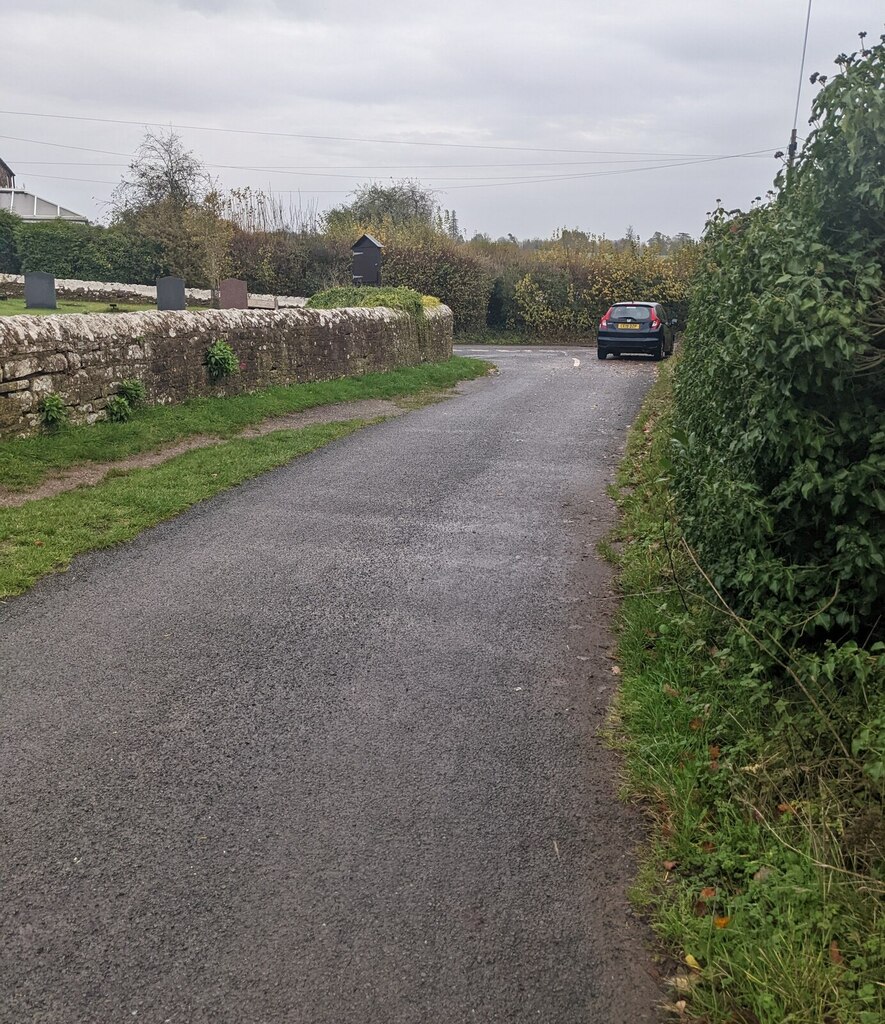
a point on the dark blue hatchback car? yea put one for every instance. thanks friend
(641, 327)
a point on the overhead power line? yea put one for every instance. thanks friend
(337, 138)
(793, 143)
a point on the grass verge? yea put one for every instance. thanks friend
(763, 873)
(44, 536)
(24, 462)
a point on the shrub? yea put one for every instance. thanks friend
(781, 451)
(53, 412)
(404, 299)
(439, 266)
(132, 390)
(118, 409)
(87, 252)
(9, 261)
(220, 360)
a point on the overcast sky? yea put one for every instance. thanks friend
(580, 88)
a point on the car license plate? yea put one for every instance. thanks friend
(628, 327)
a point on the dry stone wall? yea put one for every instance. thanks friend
(13, 286)
(84, 357)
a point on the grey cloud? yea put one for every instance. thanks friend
(685, 76)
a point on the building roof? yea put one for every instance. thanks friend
(32, 208)
(6, 170)
(367, 238)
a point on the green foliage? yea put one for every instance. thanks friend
(404, 299)
(9, 260)
(437, 265)
(221, 360)
(118, 409)
(132, 390)
(53, 412)
(762, 766)
(781, 448)
(87, 252)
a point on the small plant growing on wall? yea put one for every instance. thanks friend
(220, 360)
(53, 412)
(118, 409)
(133, 391)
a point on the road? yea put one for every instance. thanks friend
(323, 750)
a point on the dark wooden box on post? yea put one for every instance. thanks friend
(366, 253)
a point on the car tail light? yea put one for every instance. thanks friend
(655, 323)
(603, 323)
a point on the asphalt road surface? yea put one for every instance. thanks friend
(323, 750)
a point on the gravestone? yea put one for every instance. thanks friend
(170, 293)
(40, 291)
(233, 294)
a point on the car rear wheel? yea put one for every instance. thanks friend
(601, 353)
(658, 353)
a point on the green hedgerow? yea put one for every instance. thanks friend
(780, 449)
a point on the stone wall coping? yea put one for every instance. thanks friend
(26, 326)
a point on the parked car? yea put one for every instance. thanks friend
(630, 327)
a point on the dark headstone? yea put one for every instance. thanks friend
(40, 291)
(233, 294)
(366, 265)
(170, 293)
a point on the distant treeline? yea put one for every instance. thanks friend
(170, 219)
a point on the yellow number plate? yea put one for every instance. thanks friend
(628, 327)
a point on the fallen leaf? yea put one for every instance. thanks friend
(695, 724)
(708, 847)
(714, 752)
(692, 963)
(38, 543)
(670, 864)
(835, 953)
(722, 922)
(616, 670)
(708, 892)
(701, 909)
(714, 766)
(762, 874)
(683, 983)
(786, 809)
(670, 691)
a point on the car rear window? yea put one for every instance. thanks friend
(631, 313)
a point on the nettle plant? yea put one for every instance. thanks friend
(221, 360)
(53, 412)
(130, 393)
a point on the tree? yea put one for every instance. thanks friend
(162, 171)
(404, 203)
(212, 234)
